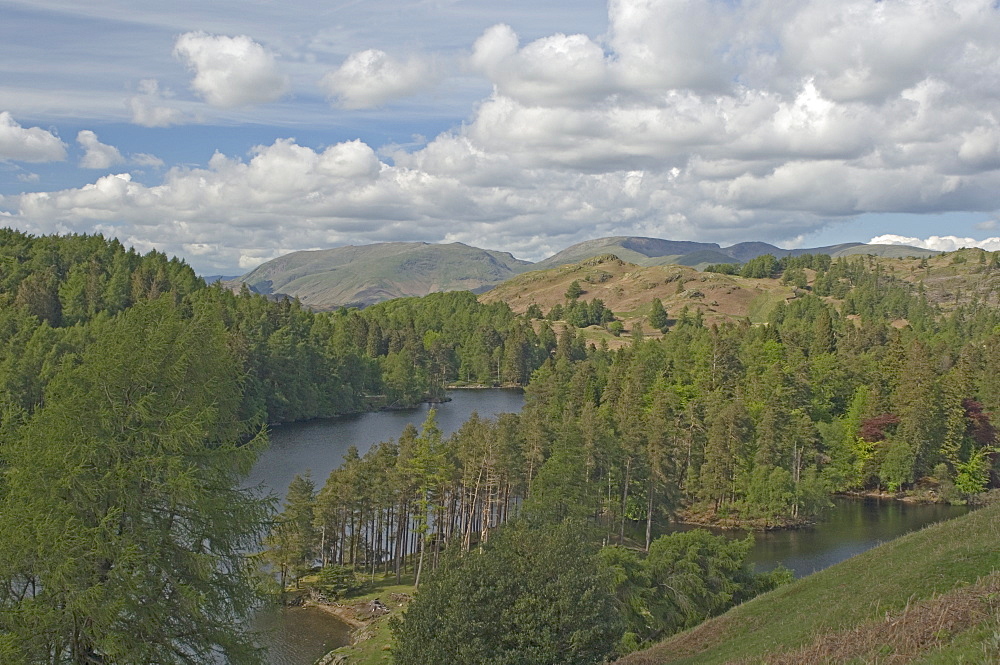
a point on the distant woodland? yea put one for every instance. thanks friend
(133, 398)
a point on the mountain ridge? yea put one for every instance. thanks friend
(361, 275)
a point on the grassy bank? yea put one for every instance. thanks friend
(370, 636)
(932, 596)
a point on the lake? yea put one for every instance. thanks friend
(298, 636)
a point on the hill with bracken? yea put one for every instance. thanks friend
(363, 275)
(968, 276)
(628, 289)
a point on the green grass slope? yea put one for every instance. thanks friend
(325, 279)
(932, 596)
(640, 251)
(656, 251)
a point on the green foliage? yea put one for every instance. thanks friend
(723, 268)
(685, 578)
(582, 314)
(121, 517)
(658, 316)
(292, 536)
(760, 267)
(973, 475)
(574, 291)
(696, 575)
(337, 581)
(531, 596)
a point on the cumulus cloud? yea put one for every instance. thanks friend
(690, 119)
(231, 71)
(558, 70)
(149, 107)
(97, 155)
(938, 243)
(371, 78)
(34, 144)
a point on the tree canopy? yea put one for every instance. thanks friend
(122, 529)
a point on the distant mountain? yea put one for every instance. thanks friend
(362, 275)
(657, 252)
(366, 274)
(641, 251)
(855, 248)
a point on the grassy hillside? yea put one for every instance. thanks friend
(363, 275)
(641, 251)
(655, 251)
(628, 289)
(932, 596)
(968, 275)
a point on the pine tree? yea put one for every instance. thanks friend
(658, 316)
(124, 531)
(574, 291)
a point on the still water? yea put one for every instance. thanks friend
(851, 527)
(318, 446)
(298, 636)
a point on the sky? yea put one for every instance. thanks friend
(229, 133)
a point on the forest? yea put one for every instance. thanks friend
(133, 397)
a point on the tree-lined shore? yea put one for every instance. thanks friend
(133, 397)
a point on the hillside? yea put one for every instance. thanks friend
(641, 251)
(326, 279)
(362, 275)
(932, 596)
(947, 280)
(964, 276)
(628, 289)
(655, 251)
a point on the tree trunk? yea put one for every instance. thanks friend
(649, 512)
(628, 480)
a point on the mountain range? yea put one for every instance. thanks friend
(366, 274)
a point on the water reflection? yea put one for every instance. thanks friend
(319, 445)
(851, 527)
(299, 635)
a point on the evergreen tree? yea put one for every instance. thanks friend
(531, 596)
(123, 527)
(574, 291)
(658, 316)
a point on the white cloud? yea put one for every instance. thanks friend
(145, 159)
(231, 71)
(149, 108)
(371, 78)
(938, 243)
(34, 144)
(664, 45)
(709, 120)
(28, 177)
(561, 70)
(97, 155)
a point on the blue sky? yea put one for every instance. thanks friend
(229, 133)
